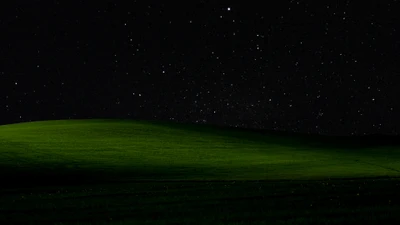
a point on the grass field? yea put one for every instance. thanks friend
(148, 172)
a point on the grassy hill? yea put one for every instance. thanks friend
(131, 150)
(67, 154)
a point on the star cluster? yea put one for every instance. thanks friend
(298, 66)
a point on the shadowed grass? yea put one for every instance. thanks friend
(83, 157)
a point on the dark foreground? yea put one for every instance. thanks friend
(358, 201)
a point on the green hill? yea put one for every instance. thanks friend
(104, 150)
(149, 172)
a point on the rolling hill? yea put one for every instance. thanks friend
(124, 150)
(104, 171)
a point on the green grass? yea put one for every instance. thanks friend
(136, 171)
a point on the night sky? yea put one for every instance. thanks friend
(302, 66)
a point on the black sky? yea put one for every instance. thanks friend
(304, 66)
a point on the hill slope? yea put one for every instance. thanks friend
(94, 150)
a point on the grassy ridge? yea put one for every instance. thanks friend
(146, 172)
(147, 150)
